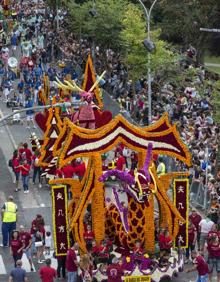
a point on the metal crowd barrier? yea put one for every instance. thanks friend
(197, 195)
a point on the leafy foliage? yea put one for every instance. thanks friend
(135, 54)
(105, 27)
(182, 21)
(216, 101)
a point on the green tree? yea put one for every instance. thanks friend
(183, 19)
(78, 17)
(216, 101)
(104, 27)
(135, 54)
(216, 106)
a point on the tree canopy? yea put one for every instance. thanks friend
(104, 26)
(134, 52)
(182, 20)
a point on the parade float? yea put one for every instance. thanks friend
(88, 134)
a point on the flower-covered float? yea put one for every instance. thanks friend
(142, 192)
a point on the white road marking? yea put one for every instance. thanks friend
(26, 264)
(28, 200)
(47, 228)
(2, 266)
(2, 198)
(9, 133)
(32, 207)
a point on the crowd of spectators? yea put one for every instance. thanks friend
(41, 49)
(189, 104)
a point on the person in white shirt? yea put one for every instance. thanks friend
(48, 242)
(26, 49)
(205, 227)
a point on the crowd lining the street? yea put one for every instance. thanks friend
(34, 36)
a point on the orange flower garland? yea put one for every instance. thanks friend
(98, 203)
(167, 178)
(85, 199)
(149, 226)
(141, 158)
(98, 213)
(167, 218)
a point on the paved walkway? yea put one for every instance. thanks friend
(212, 65)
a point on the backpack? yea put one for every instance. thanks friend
(10, 163)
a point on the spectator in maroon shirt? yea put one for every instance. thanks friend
(38, 222)
(94, 251)
(27, 241)
(16, 246)
(103, 256)
(213, 233)
(37, 225)
(71, 263)
(115, 271)
(67, 171)
(79, 168)
(47, 273)
(27, 153)
(134, 160)
(200, 265)
(165, 242)
(195, 219)
(89, 235)
(25, 169)
(120, 163)
(119, 149)
(192, 236)
(16, 168)
(214, 256)
(61, 266)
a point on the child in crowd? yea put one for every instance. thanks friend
(89, 235)
(138, 250)
(48, 242)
